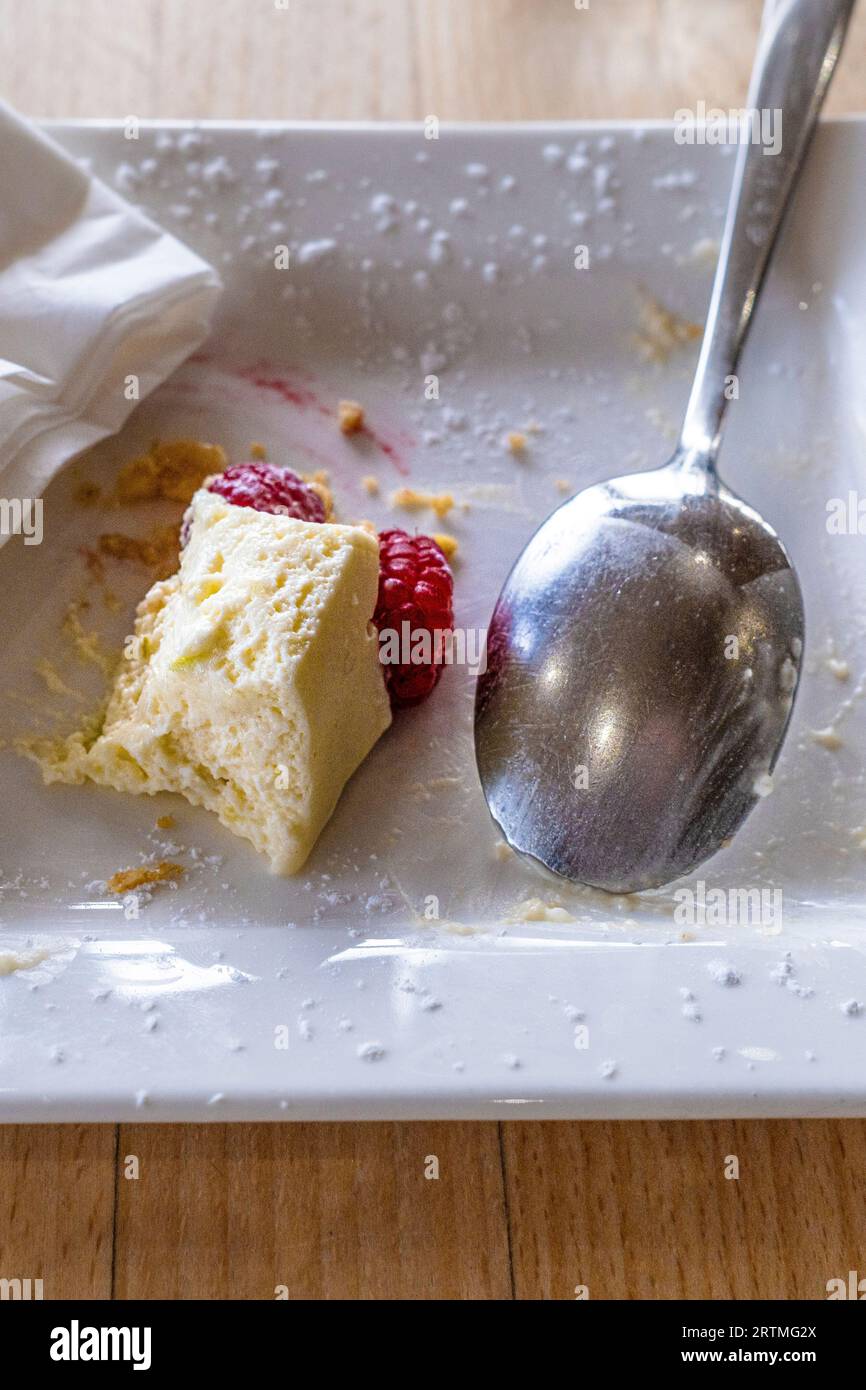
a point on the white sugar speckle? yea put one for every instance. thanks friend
(608, 1069)
(312, 251)
(370, 1051)
(852, 1007)
(724, 973)
(218, 173)
(678, 178)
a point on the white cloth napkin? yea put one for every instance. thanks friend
(97, 304)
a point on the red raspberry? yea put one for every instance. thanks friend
(267, 488)
(415, 586)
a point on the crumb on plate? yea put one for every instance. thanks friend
(171, 470)
(87, 494)
(447, 544)
(350, 416)
(321, 485)
(662, 331)
(127, 880)
(159, 551)
(413, 500)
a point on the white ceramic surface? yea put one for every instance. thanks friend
(179, 1013)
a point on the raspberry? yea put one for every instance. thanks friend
(266, 488)
(415, 587)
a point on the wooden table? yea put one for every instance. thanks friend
(330, 1211)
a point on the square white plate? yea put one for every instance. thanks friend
(451, 258)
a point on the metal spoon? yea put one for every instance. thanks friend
(644, 653)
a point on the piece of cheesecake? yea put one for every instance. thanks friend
(252, 684)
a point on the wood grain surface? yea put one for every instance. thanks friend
(346, 1211)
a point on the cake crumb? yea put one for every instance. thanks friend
(88, 494)
(827, 738)
(412, 499)
(662, 331)
(536, 910)
(515, 441)
(370, 484)
(563, 485)
(127, 880)
(838, 668)
(11, 961)
(88, 646)
(53, 679)
(158, 552)
(165, 823)
(350, 416)
(321, 484)
(258, 452)
(171, 471)
(447, 544)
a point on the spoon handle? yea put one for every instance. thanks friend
(797, 53)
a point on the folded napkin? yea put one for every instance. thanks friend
(98, 305)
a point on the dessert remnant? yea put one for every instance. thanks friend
(515, 441)
(256, 681)
(253, 687)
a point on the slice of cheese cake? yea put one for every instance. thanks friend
(252, 684)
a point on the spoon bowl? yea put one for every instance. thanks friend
(642, 663)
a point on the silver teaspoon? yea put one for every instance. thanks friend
(644, 653)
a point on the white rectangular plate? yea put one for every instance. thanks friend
(451, 258)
